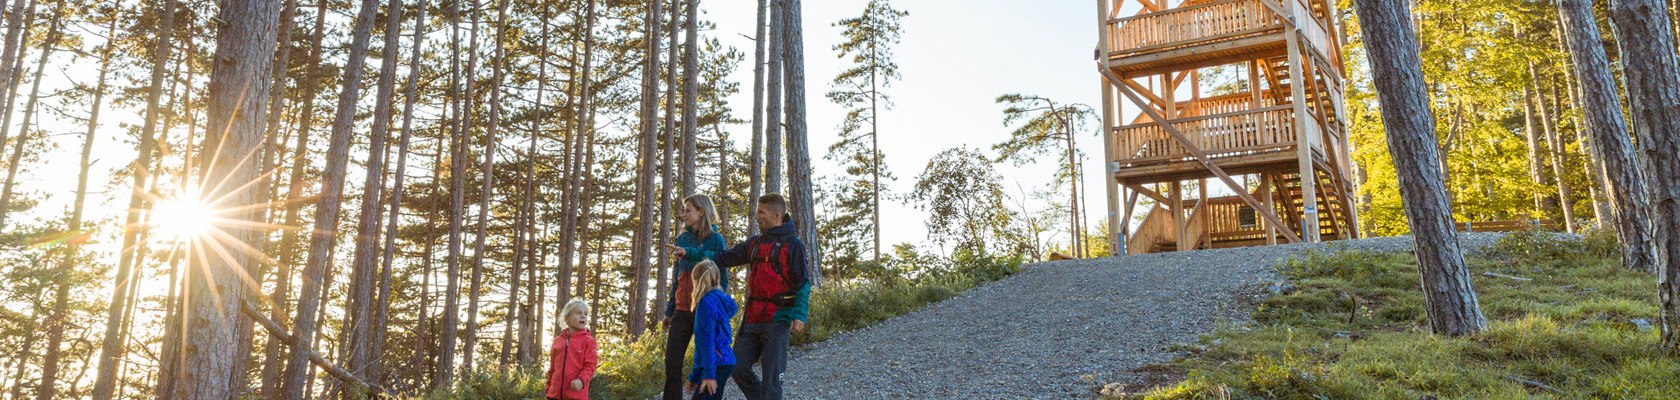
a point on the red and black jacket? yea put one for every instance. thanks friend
(777, 287)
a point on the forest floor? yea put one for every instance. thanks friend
(1060, 329)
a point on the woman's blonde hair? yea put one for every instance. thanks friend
(708, 212)
(574, 305)
(706, 277)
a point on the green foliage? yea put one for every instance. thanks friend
(633, 371)
(492, 383)
(1353, 327)
(1540, 247)
(849, 305)
(964, 197)
(1481, 59)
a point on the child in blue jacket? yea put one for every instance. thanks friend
(714, 358)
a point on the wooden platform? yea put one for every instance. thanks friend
(1276, 136)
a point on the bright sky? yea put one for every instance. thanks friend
(955, 59)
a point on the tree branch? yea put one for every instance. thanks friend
(280, 334)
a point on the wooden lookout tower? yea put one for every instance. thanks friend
(1264, 130)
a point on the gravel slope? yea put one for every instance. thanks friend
(1038, 332)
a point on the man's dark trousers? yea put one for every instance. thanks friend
(765, 343)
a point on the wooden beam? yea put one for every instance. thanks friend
(1180, 220)
(1297, 87)
(1197, 153)
(1159, 102)
(1148, 5)
(1151, 193)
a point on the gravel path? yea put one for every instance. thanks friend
(1038, 332)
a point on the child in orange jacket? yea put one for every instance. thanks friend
(572, 358)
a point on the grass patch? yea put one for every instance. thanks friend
(846, 306)
(1353, 326)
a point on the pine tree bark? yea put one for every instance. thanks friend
(691, 73)
(457, 187)
(773, 110)
(667, 147)
(274, 365)
(111, 352)
(486, 191)
(755, 180)
(1604, 122)
(329, 203)
(363, 281)
(1398, 78)
(382, 310)
(1566, 200)
(469, 336)
(237, 101)
(642, 241)
(799, 158)
(1652, 76)
(581, 125)
(268, 183)
(525, 241)
(1536, 166)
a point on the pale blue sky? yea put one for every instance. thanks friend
(955, 58)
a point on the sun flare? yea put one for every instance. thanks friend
(182, 219)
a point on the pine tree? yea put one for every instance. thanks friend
(869, 41)
(1452, 306)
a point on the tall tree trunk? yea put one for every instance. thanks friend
(875, 152)
(363, 282)
(111, 352)
(491, 144)
(1073, 188)
(569, 239)
(47, 47)
(382, 310)
(169, 358)
(61, 296)
(1604, 121)
(457, 188)
(469, 347)
(587, 199)
(269, 186)
(1536, 166)
(238, 97)
(799, 158)
(1398, 78)
(667, 147)
(642, 242)
(1566, 201)
(773, 110)
(487, 170)
(11, 56)
(323, 236)
(691, 73)
(1653, 83)
(755, 180)
(524, 242)
(273, 366)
